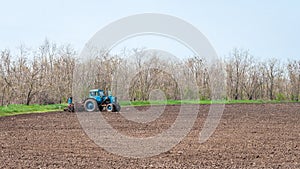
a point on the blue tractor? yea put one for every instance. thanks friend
(99, 100)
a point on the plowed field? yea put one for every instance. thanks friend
(248, 136)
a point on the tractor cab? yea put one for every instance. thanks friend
(97, 94)
(100, 95)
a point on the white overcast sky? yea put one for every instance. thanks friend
(268, 28)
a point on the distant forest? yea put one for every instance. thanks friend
(45, 75)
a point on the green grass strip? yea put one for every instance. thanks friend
(178, 102)
(15, 109)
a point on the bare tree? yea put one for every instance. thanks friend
(198, 68)
(236, 70)
(7, 77)
(251, 79)
(294, 75)
(273, 72)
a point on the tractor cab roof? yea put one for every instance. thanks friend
(95, 90)
(100, 92)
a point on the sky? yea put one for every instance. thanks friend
(268, 28)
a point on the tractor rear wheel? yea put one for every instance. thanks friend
(90, 105)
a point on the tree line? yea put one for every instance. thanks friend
(41, 76)
(45, 75)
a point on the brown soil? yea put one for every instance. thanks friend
(248, 136)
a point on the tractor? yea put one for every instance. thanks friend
(98, 100)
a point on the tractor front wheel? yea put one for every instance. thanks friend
(110, 107)
(90, 105)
